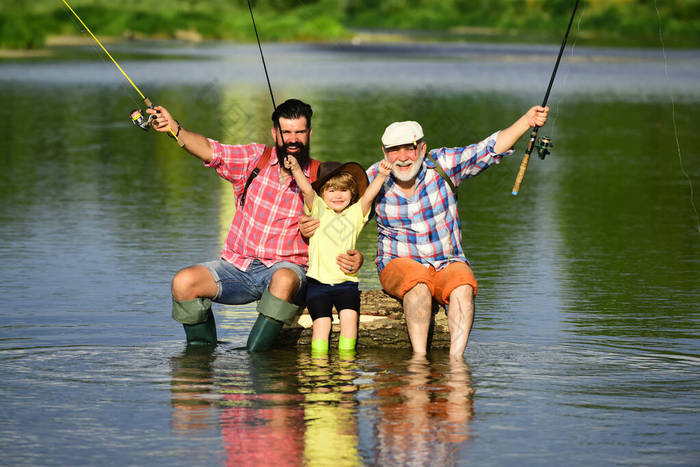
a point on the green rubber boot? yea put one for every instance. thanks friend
(319, 347)
(197, 319)
(347, 343)
(346, 346)
(274, 312)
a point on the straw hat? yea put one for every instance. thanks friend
(329, 169)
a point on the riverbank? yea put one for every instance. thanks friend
(615, 23)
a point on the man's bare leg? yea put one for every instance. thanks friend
(417, 306)
(192, 289)
(193, 282)
(284, 284)
(460, 318)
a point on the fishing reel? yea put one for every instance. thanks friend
(139, 120)
(543, 146)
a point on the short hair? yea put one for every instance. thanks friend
(292, 109)
(342, 181)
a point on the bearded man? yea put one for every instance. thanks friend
(265, 256)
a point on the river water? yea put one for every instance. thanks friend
(585, 349)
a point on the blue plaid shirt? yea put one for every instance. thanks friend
(426, 226)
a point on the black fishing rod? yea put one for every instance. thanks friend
(136, 115)
(262, 56)
(257, 169)
(545, 143)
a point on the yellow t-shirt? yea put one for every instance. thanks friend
(336, 234)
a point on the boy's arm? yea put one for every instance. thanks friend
(307, 190)
(374, 187)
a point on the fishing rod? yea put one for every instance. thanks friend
(136, 115)
(545, 143)
(257, 168)
(262, 56)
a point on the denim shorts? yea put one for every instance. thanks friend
(321, 298)
(236, 287)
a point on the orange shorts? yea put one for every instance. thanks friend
(402, 274)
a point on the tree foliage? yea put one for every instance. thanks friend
(27, 24)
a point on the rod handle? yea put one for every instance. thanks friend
(526, 160)
(521, 174)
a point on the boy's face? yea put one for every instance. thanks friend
(336, 198)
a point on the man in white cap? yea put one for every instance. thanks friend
(419, 255)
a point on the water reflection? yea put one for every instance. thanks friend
(294, 410)
(425, 415)
(331, 424)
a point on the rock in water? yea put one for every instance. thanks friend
(382, 324)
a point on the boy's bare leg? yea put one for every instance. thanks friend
(321, 329)
(348, 323)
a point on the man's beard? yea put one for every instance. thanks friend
(302, 156)
(407, 177)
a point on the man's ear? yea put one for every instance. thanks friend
(384, 151)
(423, 149)
(274, 134)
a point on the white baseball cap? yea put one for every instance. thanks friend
(400, 133)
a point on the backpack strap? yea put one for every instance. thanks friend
(442, 173)
(313, 170)
(261, 163)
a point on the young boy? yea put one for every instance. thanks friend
(342, 205)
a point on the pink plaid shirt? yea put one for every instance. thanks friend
(266, 228)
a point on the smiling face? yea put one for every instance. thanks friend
(337, 199)
(339, 192)
(406, 160)
(295, 133)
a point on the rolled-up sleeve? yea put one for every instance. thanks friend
(466, 162)
(232, 162)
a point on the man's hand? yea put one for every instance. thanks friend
(162, 120)
(537, 116)
(350, 262)
(308, 225)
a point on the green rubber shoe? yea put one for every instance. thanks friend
(263, 334)
(319, 346)
(197, 319)
(274, 312)
(202, 333)
(347, 343)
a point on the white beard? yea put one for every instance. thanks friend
(408, 176)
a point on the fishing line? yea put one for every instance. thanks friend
(262, 56)
(673, 118)
(145, 99)
(555, 114)
(128, 91)
(544, 143)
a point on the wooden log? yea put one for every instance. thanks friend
(382, 324)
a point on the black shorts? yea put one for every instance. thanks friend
(321, 298)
